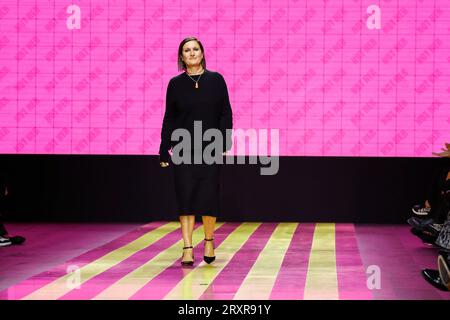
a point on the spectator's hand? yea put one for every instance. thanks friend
(164, 164)
(443, 154)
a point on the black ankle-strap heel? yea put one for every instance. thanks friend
(207, 259)
(188, 263)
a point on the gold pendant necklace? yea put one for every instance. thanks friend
(196, 82)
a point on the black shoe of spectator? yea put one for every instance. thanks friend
(421, 211)
(433, 278)
(17, 240)
(419, 223)
(433, 228)
(4, 242)
(425, 236)
(424, 224)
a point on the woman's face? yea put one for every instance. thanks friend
(192, 55)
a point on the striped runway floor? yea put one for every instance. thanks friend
(290, 261)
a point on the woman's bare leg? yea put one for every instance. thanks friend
(187, 228)
(209, 224)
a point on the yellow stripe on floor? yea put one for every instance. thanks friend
(138, 278)
(61, 286)
(259, 281)
(321, 279)
(193, 285)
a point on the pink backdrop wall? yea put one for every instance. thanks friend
(312, 69)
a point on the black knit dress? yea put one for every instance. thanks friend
(197, 186)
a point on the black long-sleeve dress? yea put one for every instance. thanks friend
(197, 186)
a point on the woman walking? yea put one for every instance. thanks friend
(197, 94)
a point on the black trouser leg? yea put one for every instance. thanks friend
(2, 227)
(439, 207)
(2, 230)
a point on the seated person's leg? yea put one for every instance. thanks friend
(3, 231)
(4, 241)
(437, 202)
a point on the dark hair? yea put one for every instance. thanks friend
(181, 64)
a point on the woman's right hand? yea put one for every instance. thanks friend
(164, 164)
